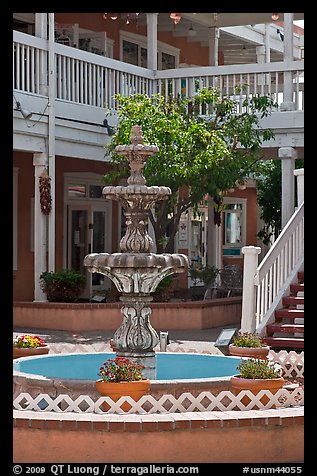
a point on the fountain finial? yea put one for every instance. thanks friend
(136, 135)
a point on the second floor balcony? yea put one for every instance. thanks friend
(83, 85)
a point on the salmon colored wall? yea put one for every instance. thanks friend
(165, 316)
(23, 283)
(190, 52)
(128, 443)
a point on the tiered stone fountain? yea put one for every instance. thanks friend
(136, 271)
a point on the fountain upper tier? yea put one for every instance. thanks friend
(136, 269)
(136, 198)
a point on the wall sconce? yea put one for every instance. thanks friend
(25, 113)
(275, 16)
(176, 17)
(113, 16)
(111, 131)
(280, 33)
(191, 31)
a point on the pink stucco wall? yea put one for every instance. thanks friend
(263, 436)
(165, 316)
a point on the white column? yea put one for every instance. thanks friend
(41, 32)
(40, 220)
(213, 40)
(299, 174)
(288, 104)
(260, 53)
(41, 25)
(51, 142)
(250, 264)
(267, 43)
(288, 156)
(151, 24)
(260, 58)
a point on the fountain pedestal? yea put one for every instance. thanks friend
(136, 271)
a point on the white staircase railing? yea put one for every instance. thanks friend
(265, 285)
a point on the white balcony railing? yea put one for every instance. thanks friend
(86, 78)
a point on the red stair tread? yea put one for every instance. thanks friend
(295, 288)
(300, 275)
(284, 324)
(293, 300)
(289, 313)
(295, 342)
(288, 328)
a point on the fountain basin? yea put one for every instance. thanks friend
(75, 374)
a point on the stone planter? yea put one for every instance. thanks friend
(135, 389)
(29, 351)
(239, 383)
(250, 352)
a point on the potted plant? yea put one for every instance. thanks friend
(26, 345)
(249, 344)
(256, 375)
(62, 286)
(121, 377)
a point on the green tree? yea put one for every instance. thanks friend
(200, 153)
(269, 193)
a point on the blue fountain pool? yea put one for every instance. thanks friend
(169, 366)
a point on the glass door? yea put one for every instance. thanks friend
(100, 240)
(88, 232)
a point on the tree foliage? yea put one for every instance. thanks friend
(199, 154)
(269, 197)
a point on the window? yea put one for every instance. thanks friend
(76, 190)
(234, 226)
(134, 51)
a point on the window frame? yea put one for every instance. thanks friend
(233, 250)
(141, 42)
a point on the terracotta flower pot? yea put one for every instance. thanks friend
(28, 351)
(250, 352)
(135, 389)
(255, 386)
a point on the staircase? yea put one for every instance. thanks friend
(287, 332)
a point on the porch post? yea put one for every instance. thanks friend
(299, 174)
(151, 24)
(41, 32)
(213, 40)
(248, 317)
(40, 220)
(51, 141)
(288, 156)
(288, 104)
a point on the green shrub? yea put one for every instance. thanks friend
(258, 368)
(207, 274)
(62, 286)
(164, 290)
